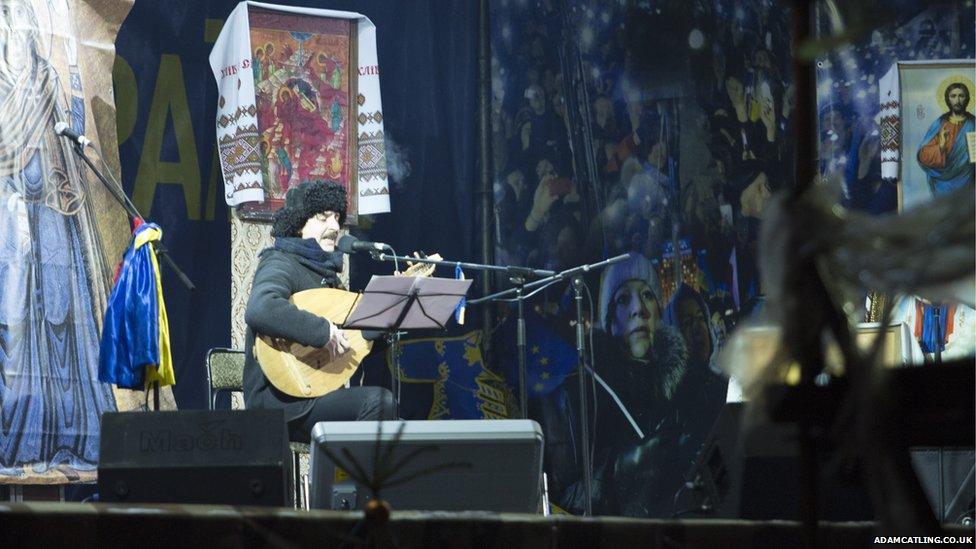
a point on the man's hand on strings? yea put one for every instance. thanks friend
(415, 268)
(338, 343)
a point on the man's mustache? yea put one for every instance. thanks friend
(330, 235)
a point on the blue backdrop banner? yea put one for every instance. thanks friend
(166, 100)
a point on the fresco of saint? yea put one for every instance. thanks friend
(53, 276)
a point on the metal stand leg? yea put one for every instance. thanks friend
(584, 415)
(296, 478)
(395, 379)
(546, 509)
(520, 344)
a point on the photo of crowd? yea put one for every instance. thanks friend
(599, 152)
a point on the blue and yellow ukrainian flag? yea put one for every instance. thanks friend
(135, 348)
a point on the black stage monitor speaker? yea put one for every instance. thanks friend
(238, 457)
(450, 465)
(754, 473)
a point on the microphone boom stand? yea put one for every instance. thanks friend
(119, 195)
(520, 343)
(133, 213)
(517, 275)
(576, 274)
(584, 414)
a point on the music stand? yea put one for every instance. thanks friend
(394, 303)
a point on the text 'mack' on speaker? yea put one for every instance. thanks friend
(457, 465)
(238, 457)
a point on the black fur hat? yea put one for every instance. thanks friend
(304, 201)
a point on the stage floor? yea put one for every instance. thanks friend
(171, 526)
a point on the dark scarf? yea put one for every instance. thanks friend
(311, 255)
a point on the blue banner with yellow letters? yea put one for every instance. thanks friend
(462, 385)
(166, 100)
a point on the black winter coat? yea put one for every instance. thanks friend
(279, 275)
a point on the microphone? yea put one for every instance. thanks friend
(64, 130)
(349, 244)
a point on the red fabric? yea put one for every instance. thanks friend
(931, 156)
(919, 319)
(950, 321)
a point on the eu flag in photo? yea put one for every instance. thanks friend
(549, 358)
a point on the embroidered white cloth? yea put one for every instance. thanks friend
(238, 135)
(889, 122)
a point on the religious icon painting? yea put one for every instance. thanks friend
(938, 134)
(927, 116)
(305, 88)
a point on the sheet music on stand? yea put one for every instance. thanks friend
(406, 303)
(394, 303)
